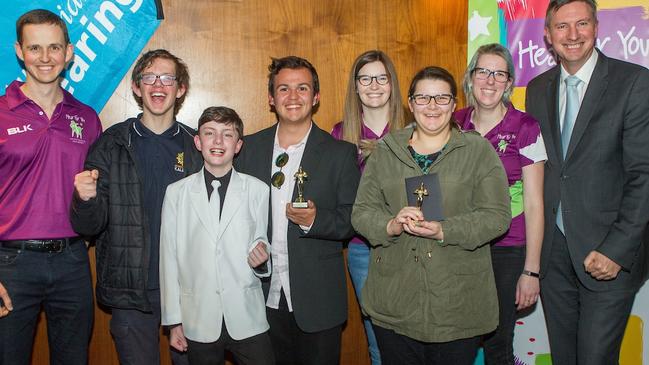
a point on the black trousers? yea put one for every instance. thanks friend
(255, 350)
(398, 349)
(292, 346)
(584, 326)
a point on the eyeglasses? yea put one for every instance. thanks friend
(366, 80)
(149, 79)
(441, 99)
(277, 180)
(484, 73)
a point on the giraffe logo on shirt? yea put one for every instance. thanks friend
(77, 130)
(502, 146)
(504, 140)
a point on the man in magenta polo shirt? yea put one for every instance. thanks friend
(45, 134)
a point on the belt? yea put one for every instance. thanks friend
(49, 245)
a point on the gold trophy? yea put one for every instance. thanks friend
(421, 192)
(300, 176)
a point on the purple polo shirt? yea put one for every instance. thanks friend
(366, 133)
(38, 160)
(517, 140)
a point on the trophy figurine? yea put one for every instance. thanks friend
(421, 192)
(300, 176)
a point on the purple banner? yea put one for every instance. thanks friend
(622, 34)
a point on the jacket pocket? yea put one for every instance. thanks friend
(471, 301)
(465, 262)
(392, 289)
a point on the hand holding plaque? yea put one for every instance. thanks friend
(300, 177)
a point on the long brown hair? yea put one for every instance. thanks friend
(352, 117)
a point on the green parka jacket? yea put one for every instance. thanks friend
(430, 290)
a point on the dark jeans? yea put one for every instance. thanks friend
(137, 335)
(398, 349)
(255, 350)
(60, 283)
(508, 264)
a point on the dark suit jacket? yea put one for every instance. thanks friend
(603, 184)
(316, 267)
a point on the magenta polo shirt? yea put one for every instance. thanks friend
(38, 160)
(366, 133)
(518, 142)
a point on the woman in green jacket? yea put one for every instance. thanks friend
(430, 290)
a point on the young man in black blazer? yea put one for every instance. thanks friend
(306, 296)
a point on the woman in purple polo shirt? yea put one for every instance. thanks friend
(516, 137)
(372, 109)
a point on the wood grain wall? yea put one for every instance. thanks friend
(227, 46)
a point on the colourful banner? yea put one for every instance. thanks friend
(623, 33)
(108, 35)
(519, 24)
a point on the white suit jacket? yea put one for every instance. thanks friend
(204, 272)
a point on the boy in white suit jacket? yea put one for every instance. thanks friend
(213, 250)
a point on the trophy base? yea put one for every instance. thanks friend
(300, 205)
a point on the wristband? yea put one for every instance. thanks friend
(531, 273)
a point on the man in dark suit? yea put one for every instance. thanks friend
(306, 297)
(594, 117)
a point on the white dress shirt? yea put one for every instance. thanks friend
(584, 74)
(279, 198)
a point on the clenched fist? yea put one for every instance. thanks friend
(85, 184)
(258, 255)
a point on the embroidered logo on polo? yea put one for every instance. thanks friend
(180, 162)
(503, 142)
(76, 128)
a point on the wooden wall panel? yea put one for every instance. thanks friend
(227, 46)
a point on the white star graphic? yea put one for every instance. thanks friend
(478, 25)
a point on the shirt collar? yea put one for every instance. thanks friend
(509, 123)
(368, 133)
(297, 145)
(586, 71)
(16, 97)
(511, 120)
(209, 177)
(142, 131)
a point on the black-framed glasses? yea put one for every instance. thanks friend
(481, 73)
(149, 79)
(440, 99)
(277, 180)
(366, 80)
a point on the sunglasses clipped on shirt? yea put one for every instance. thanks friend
(278, 178)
